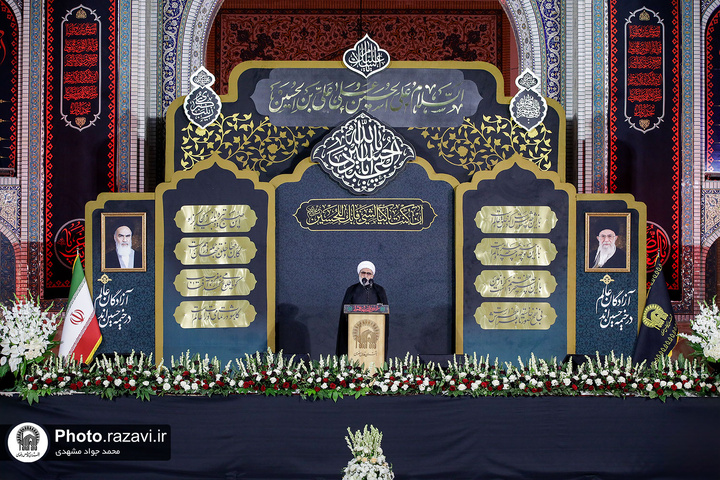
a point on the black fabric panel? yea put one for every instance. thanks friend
(425, 437)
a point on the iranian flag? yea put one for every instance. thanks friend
(81, 333)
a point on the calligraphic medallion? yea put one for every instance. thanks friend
(215, 250)
(202, 107)
(215, 314)
(515, 219)
(528, 108)
(215, 218)
(515, 316)
(214, 282)
(363, 154)
(515, 283)
(515, 251)
(366, 57)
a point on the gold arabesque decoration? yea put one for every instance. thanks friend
(479, 148)
(244, 139)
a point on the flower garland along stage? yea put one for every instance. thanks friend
(334, 378)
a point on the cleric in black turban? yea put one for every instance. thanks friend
(608, 254)
(365, 292)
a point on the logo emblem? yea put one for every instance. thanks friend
(654, 316)
(77, 317)
(366, 57)
(27, 442)
(366, 334)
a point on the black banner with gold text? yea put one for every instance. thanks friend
(644, 119)
(80, 127)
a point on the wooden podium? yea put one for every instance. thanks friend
(367, 333)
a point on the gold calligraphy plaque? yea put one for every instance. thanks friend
(515, 283)
(515, 316)
(515, 219)
(214, 282)
(215, 250)
(516, 251)
(215, 314)
(215, 218)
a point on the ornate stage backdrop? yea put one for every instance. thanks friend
(80, 125)
(310, 168)
(644, 121)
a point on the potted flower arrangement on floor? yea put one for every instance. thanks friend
(369, 462)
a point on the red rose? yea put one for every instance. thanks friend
(127, 385)
(697, 388)
(674, 387)
(286, 385)
(317, 389)
(659, 391)
(205, 386)
(48, 381)
(73, 386)
(133, 388)
(452, 388)
(262, 388)
(333, 386)
(574, 387)
(499, 387)
(34, 387)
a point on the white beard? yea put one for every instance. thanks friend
(123, 249)
(604, 254)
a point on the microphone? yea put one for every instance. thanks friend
(365, 282)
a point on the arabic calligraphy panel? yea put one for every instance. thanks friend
(515, 251)
(215, 250)
(395, 214)
(215, 282)
(215, 314)
(515, 219)
(215, 218)
(515, 316)
(400, 97)
(515, 283)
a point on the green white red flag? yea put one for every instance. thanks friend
(81, 334)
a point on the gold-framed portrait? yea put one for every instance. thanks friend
(123, 240)
(607, 242)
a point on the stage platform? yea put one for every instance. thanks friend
(425, 437)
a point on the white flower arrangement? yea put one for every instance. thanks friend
(369, 462)
(705, 337)
(26, 335)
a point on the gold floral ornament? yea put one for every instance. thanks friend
(244, 139)
(479, 148)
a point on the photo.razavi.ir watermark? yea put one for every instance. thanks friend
(29, 442)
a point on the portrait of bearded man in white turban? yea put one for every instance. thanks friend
(123, 251)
